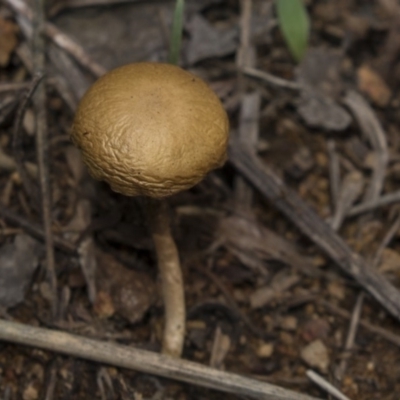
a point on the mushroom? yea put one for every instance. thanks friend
(153, 129)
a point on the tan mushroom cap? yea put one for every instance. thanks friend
(150, 129)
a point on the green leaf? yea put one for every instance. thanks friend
(176, 34)
(295, 26)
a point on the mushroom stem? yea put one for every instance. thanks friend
(171, 277)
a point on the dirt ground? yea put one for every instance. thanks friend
(276, 285)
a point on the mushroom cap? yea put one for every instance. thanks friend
(150, 129)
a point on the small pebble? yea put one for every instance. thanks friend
(289, 323)
(30, 393)
(336, 289)
(265, 350)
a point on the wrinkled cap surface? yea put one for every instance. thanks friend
(150, 129)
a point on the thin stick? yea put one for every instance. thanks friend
(373, 131)
(351, 188)
(75, 50)
(14, 86)
(171, 277)
(385, 242)
(334, 172)
(351, 336)
(248, 130)
(143, 361)
(381, 201)
(64, 5)
(39, 103)
(27, 183)
(246, 54)
(51, 385)
(271, 79)
(250, 104)
(324, 384)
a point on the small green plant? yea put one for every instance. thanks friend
(294, 24)
(176, 34)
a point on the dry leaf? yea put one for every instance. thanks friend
(319, 73)
(130, 292)
(207, 41)
(370, 83)
(18, 262)
(281, 283)
(220, 348)
(321, 111)
(255, 244)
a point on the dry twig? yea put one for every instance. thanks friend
(386, 240)
(14, 87)
(27, 183)
(351, 188)
(381, 201)
(143, 361)
(250, 103)
(248, 131)
(51, 385)
(324, 384)
(372, 130)
(62, 5)
(271, 79)
(334, 172)
(40, 107)
(354, 321)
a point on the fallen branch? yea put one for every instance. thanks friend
(143, 361)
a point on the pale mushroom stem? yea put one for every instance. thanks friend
(171, 277)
